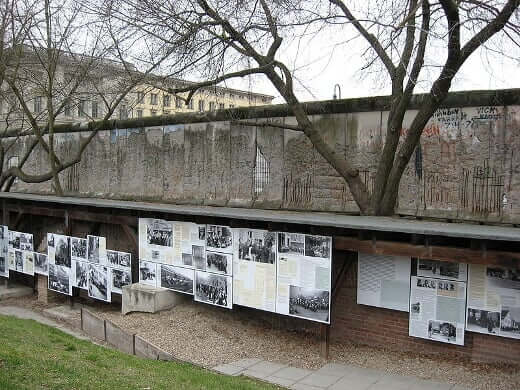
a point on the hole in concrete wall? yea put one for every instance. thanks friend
(260, 173)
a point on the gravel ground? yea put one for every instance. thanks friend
(210, 336)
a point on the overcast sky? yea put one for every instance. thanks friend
(321, 64)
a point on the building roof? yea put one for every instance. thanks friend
(331, 220)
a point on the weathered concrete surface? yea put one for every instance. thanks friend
(467, 165)
(139, 297)
(147, 350)
(120, 339)
(93, 325)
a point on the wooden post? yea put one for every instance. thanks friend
(324, 341)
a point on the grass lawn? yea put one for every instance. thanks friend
(35, 356)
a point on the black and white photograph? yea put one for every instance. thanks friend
(113, 259)
(442, 331)
(510, 322)
(220, 263)
(93, 249)
(28, 262)
(159, 232)
(187, 259)
(426, 283)
(318, 246)
(4, 269)
(503, 278)
(440, 269)
(219, 238)
(483, 321)
(41, 264)
(19, 240)
(18, 260)
(98, 282)
(62, 250)
(50, 240)
(148, 273)
(257, 245)
(81, 274)
(59, 279)
(120, 278)
(309, 303)
(202, 232)
(291, 243)
(415, 308)
(199, 260)
(177, 278)
(78, 247)
(4, 232)
(125, 260)
(4, 241)
(213, 289)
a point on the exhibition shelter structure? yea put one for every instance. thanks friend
(395, 282)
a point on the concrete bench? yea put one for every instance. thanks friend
(139, 297)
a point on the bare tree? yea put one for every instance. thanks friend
(65, 60)
(244, 37)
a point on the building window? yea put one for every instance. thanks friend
(37, 104)
(260, 172)
(178, 102)
(221, 106)
(95, 113)
(231, 106)
(82, 108)
(166, 112)
(166, 100)
(212, 106)
(201, 105)
(153, 112)
(123, 112)
(139, 113)
(190, 104)
(140, 97)
(231, 96)
(153, 99)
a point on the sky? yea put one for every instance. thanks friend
(321, 64)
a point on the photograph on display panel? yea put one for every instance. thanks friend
(19, 240)
(112, 259)
(18, 260)
(318, 246)
(483, 321)
(213, 289)
(510, 322)
(78, 247)
(148, 273)
(62, 250)
(11, 260)
(256, 245)
(221, 263)
(28, 262)
(99, 282)
(4, 267)
(199, 257)
(309, 303)
(291, 243)
(159, 232)
(125, 260)
(81, 274)
(120, 278)
(442, 269)
(41, 264)
(219, 238)
(96, 249)
(177, 278)
(59, 279)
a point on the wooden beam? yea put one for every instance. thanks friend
(132, 236)
(324, 341)
(428, 251)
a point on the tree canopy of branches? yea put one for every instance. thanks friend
(231, 39)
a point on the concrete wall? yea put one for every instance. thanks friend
(467, 165)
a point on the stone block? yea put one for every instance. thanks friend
(93, 325)
(148, 299)
(147, 350)
(118, 338)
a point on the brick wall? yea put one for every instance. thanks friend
(378, 327)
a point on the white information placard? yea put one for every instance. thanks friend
(254, 269)
(384, 281)
(4, 251)
(156, 240)
(494, 300)
(304, 276)
(437, 309)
